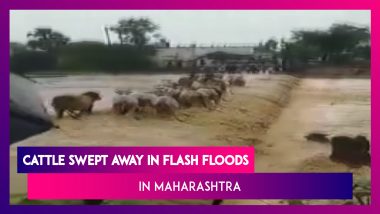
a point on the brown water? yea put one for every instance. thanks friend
(331, 106)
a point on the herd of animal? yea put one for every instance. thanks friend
(205, 90)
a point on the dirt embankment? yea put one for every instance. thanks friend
(334, 72)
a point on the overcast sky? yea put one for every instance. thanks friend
(205, 27)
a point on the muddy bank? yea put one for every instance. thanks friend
(335, 72)
(242, 119)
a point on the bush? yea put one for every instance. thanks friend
(363, 52)
(341, 59)
(97, 56)
(85, 56)
(26, 61)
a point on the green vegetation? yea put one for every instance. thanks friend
(46, 39)
(134, 31)
(49, 50)
(27, 60)
(97, 56)
(340, 44)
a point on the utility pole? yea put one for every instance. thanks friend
(106, 31)
(194, 62)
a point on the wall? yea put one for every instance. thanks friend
(186, 54)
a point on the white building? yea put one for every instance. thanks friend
(183, 57)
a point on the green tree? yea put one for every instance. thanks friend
(344, 37)
(271, 45)
(46, 39)
(337, 40)
(135, 31)
(160, 40)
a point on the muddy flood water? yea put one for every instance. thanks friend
(272, 113)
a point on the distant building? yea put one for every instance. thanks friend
(184, 57)
(209, 56)
(225, 61)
